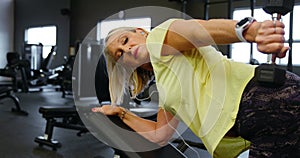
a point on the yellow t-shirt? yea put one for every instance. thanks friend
(202, 88)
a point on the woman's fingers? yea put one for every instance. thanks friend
(97, 109)
(270, 39)
(107, 109)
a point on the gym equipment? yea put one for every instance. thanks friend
(10, 70)
(277, 8)
(46, 74)
(269, 74)
(7, 92)
(67, 117)
(13, 69)
(58, 116)
(65, 76)
(34, 54)
(38, 72)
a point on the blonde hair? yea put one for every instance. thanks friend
(122, 78)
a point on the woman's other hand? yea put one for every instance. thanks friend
(270, 38)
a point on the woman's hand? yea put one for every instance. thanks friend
(108, 110)
(270, 39)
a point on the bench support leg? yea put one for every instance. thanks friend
(47, 138)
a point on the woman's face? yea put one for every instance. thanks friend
(129, 48)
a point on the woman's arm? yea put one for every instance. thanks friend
(187, 34)
(158, 132)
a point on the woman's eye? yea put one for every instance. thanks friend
(125, 40)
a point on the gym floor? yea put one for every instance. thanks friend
(18, 132)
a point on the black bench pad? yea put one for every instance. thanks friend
(57, 111)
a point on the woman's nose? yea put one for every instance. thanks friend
(127, 49)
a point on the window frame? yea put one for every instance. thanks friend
(262, 58)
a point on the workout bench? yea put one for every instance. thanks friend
(67, 117)
(7, 92)
(58, 116)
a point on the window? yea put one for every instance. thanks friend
(296, 26)
(241, 51)
(104, 27)
(45, 35)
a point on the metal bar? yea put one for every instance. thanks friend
(219, 2)
(230, 15)
(206, 10)
(252, 4)
(290, 59)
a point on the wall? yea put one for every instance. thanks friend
(86, 13)
(33, 13)
(6, 29)
(84, 16)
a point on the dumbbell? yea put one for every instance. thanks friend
(269, 74)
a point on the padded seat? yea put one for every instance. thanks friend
(57, 111)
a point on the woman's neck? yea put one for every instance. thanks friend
(147, 66)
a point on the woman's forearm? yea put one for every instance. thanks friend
(207, 32)
(222, 31)
(159, 131)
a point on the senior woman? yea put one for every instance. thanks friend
(216, 97)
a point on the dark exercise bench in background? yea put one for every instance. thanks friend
(62, 117)
(7, 92)
(13, 67)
